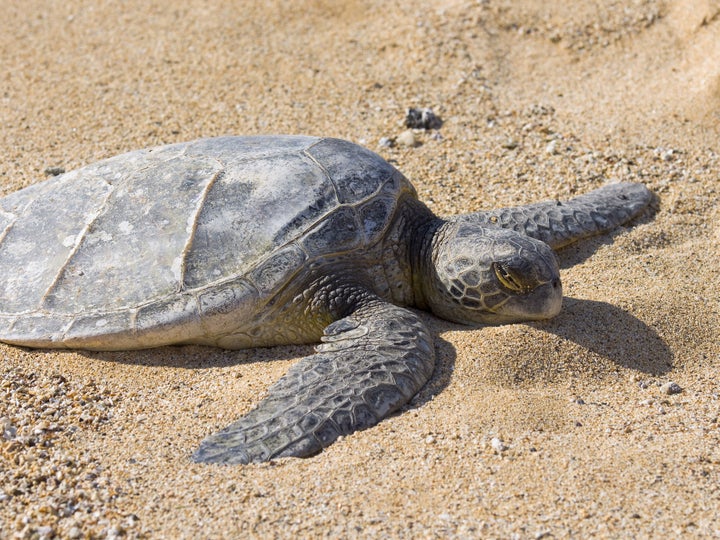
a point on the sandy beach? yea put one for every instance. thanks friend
(603, 422)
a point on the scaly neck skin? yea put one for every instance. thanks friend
(423, 263)
(407, 252)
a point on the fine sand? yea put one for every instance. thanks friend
(566, 428)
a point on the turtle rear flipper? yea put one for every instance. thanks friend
(369, 365)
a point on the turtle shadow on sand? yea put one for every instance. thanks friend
(196, 357)
(600, 327)
(613, 333)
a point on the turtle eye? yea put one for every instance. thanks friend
(506, 278)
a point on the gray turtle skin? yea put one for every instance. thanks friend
(241, 242)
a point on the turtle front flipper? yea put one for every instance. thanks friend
(369, 365)
(560, 223)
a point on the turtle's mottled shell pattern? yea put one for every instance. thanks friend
(156, 246)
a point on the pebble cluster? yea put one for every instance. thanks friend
(45, 490)
(417, 120)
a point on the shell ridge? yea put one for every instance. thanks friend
(194, 224)
(67, 328)
(78, 242)
(11, 219)
(308, 155)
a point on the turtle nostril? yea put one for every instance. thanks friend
(556, 283)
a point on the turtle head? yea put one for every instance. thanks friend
(486, 275)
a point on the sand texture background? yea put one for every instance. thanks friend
(539, 100)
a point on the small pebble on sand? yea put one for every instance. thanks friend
(407, 138)
(54, 171)
(670, 388)
(422, 119)
(386, 142)
(497, 445)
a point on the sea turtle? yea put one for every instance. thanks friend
(243, 242)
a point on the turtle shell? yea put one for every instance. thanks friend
(172, 244)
